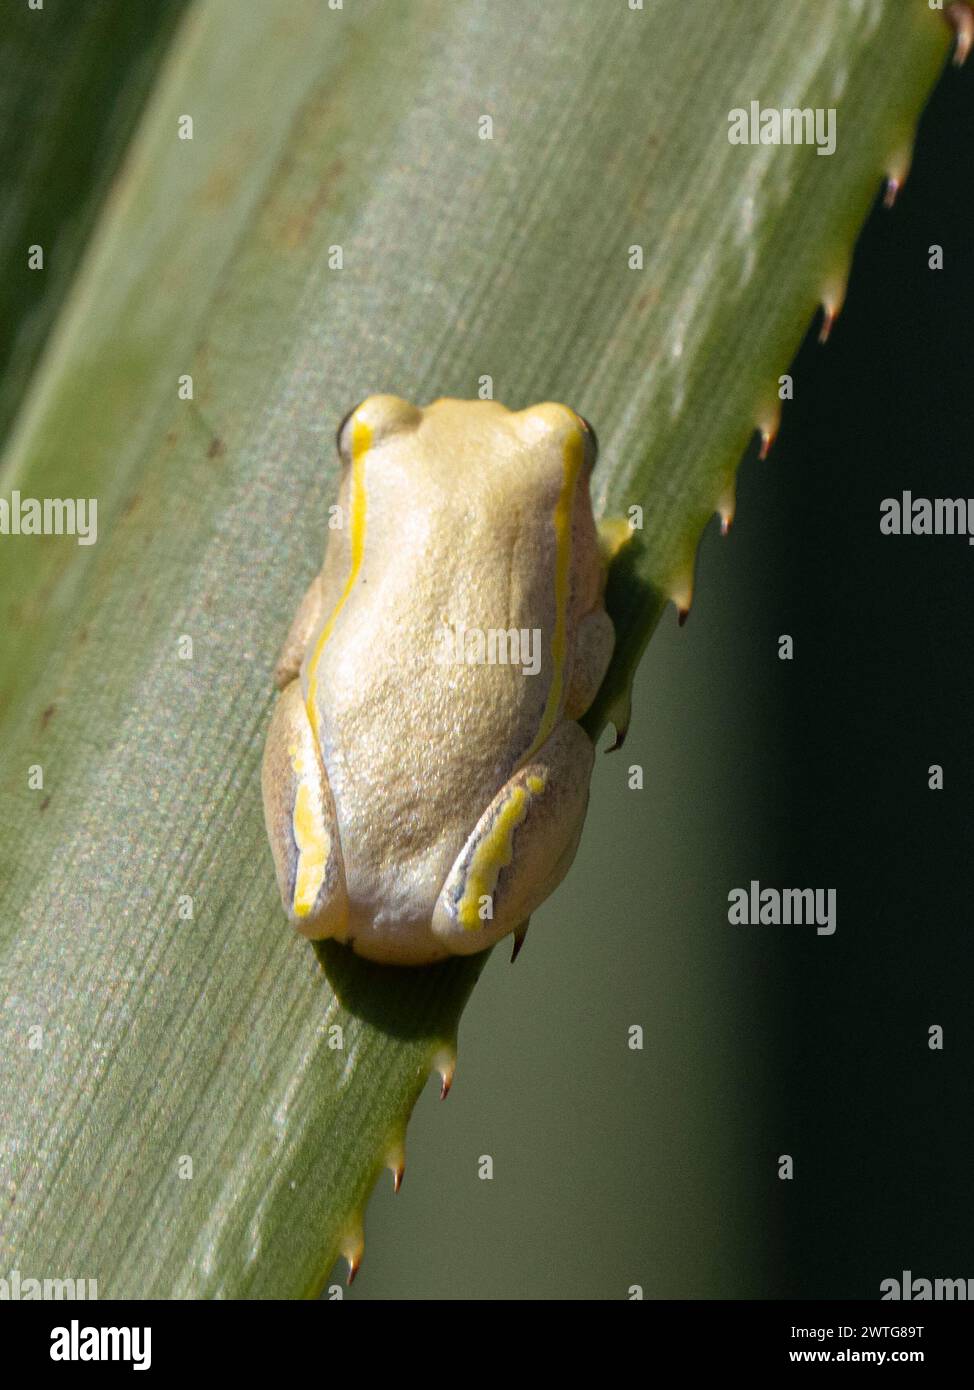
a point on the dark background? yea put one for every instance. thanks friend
(880, 691)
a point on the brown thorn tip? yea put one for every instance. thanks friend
(681, 615)
(893, 186)
(445, 1062)
(354, 1262)
(618, 741)
(828, 319)
(519, 939)
(727, 503)
(398, 1173)
(960, 17)
(768, 437)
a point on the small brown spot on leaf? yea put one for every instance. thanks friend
(300, 222)
(217, 449)
(220, 187)
(47, 716)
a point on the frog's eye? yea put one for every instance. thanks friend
(591, 441)
(379, 418)
(343, 439)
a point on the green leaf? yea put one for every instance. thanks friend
(167, 1037)
(72, 81)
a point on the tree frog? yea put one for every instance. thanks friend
(425, 778)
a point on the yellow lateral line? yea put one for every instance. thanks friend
(361, 443)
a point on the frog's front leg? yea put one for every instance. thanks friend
(594, 645)
(521, 847)
(299, 812)
(306, 619)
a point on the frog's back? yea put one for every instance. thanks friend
(437, 665)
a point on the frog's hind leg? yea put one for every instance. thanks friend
(521, 847)
(299, 812)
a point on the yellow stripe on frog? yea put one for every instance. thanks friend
(314, 847)
(361, 443)
(495, 852)
(311, 837)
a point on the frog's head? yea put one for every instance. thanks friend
(541, 432)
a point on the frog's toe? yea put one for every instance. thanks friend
(521, 848)
(299, 812)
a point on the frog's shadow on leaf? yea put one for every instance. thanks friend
(627, 588)
(629, 596)
(403, 1001)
